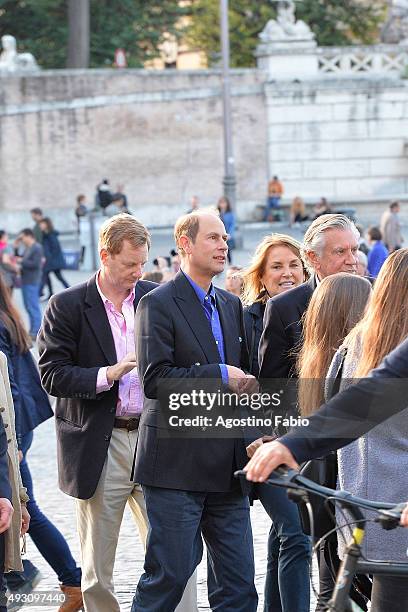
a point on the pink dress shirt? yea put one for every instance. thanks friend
(122, 324)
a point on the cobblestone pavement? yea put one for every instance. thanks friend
(129, 563)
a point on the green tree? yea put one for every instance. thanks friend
(343, 22)
(41, 28)
(134, 25)
(334, 22)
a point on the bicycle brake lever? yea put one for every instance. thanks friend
(390, 519)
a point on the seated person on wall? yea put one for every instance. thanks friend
(322, 208)
(275, 192)
(298, 211)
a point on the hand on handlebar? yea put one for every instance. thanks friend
(267, 458)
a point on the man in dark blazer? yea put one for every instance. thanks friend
(187, 330)
(346, 417)
(330, 245)
(87, 361)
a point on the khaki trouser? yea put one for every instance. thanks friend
(99, 519)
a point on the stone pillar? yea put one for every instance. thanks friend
(288, 49)
(288, 60)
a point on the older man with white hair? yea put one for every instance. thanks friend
(330, 245)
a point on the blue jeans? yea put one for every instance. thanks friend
(272, 203)
(31, 299)
(49, 541)
(177, 521)
(287, 585)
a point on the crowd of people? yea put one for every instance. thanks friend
(28, 262)
(309, 313)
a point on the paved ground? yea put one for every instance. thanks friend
(130, 555)
(60, 508)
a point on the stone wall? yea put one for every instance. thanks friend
(159, 133)
(342, 138)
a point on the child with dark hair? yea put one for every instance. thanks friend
(378, 252)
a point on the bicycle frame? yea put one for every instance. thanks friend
(340, 599)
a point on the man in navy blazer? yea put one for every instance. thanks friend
(188, 331)
(346, 417)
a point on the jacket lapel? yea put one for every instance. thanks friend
(232, 341)
(190, 307)
(98, 320)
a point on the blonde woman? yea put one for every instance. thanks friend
(336, 306)
(277, 267)
(298, 211)
(334, 309)
(376, 465)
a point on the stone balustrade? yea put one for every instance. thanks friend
(375, 59)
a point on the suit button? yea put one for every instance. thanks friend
(112, 410)
(9, 440)
(107, 438)
(5, 425)
(2, 409)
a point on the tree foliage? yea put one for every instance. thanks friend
(334, 22)
(343, 23)
(41, 27)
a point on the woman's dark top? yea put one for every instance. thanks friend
(54, 258)
(253, 321)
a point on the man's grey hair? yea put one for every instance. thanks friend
(314, 238)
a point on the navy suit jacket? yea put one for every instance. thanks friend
(356, 410)
(174, 341)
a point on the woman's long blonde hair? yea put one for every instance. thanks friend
(253, 290)
(385, 322)
(298, 206)
(336, 306)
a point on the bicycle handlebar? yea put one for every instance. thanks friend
(291, 479)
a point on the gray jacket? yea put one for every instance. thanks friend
(376, 467)
(31, 265)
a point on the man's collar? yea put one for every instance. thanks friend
(105, 300)
(201, 294)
